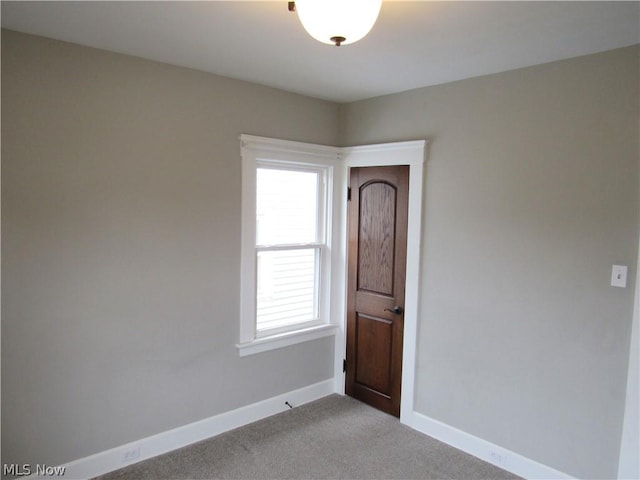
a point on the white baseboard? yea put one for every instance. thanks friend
(482, 449)
(149, 447)
(164, 442)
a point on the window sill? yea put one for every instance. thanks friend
(281, 340)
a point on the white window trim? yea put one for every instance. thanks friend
(255, 150)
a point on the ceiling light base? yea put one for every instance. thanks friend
(337, 40)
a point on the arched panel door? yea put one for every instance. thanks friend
(376, 284)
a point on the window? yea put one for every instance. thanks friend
(286, 242)
(289, 245)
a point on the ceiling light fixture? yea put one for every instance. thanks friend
(337, 22)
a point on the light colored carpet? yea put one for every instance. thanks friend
(333, 438)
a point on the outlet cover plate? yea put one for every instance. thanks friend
(619, 276)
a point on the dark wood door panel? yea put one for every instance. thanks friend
(376, 237)
(373, 349)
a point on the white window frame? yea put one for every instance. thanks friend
(319, 244)
(267, 152)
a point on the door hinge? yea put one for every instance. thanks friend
(344, 365)
(348, 194)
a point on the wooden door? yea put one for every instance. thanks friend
(376, 283)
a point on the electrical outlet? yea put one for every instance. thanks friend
(131, 454)
(497, 458)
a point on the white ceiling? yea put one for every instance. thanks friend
(413, 44)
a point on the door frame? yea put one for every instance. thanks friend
(412, 153)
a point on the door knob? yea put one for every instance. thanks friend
(397, 310)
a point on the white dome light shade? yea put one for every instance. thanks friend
(338, 22)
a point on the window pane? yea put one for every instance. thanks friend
(286, 206)
(287, 292)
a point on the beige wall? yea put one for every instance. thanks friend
(121, 247)
(531, 195)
